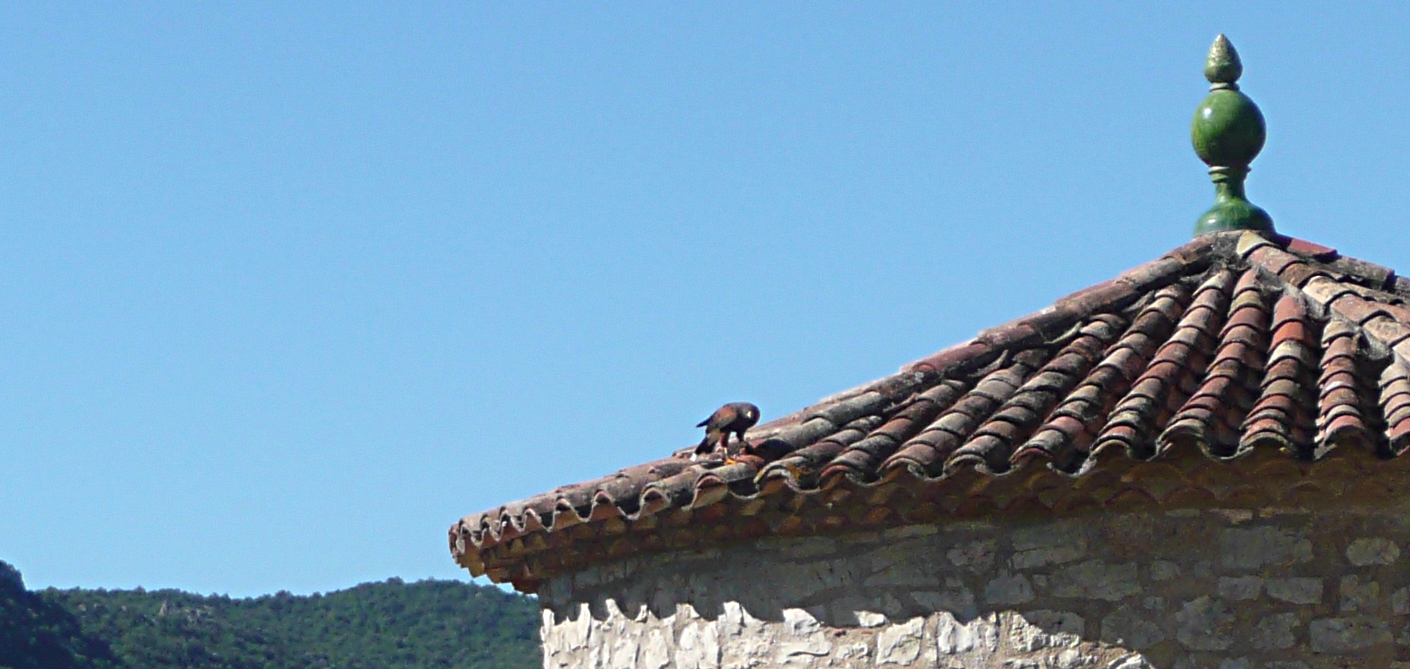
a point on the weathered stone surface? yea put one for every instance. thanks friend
(1164, 570)
(1130, 662)
(1205, 623)
(1047, 544)
(1372, 550)
(1358, 594)
(853, 651)
(1131, 628)
(954, 638)
(734, 620)
(1239, 588)
(624, 652)
(1065, 622)
(1400, 602)
(1275, 631)
(1008, 589)
(848, 610)
(897, 567)
(908, 531)
(1295, 590)
(698, 647)
(802, 652)
(955, 597)
(1347, 635)
(1097, 579)
(900, 644)
(809, 578)
(802, 547)
(748, 651)
(870, 619)
(1255, 547)
(798, 622)
(1027, 637)
(1070, 658)
(656, 650)
(975, 556)
(1264, 588)
(1047, 535)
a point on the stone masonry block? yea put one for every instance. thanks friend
(1053, 622)
(1275, 631)
(1008, 589)
(1131, 627)
(1348, 635)
(1048, 544)
(1400, 602)
(1295, 590)
(1164, 570)
(900, 644)
(1372, 550)
(1256, 547)
(1266, 588)
(975, 556)
(1097, 579)
(1240, 588)
(1358, 594)
(1205, 623)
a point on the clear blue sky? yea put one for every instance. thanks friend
(287, 288)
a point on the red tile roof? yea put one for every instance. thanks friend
(1234, 348)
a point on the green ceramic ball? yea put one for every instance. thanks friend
(1228, 129)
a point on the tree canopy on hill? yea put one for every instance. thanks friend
(39, 634)
(387, 625)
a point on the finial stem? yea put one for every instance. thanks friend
(1228, 188)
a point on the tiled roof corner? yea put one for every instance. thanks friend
(1186, 380)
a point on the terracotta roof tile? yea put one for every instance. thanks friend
(1186, 380)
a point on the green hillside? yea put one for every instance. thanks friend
(36, 633)
(388, 625)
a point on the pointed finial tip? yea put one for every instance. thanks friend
(1223, 67)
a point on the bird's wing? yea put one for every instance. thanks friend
(723, 416)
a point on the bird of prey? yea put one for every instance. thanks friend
(735, 417)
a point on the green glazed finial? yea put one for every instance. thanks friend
(1227, 133)
(1223, 66)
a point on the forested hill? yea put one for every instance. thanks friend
(387, 625)
(37, 633)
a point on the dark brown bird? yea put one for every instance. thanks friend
(735, 417)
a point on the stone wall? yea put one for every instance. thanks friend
(1219, 588)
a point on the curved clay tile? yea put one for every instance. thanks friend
(1282, 416)
(1395, 404)
(1209, 419)
(1340, 408)
(1169, 378)
(1123, 402)
(948, 433)
(999, 440)
(901, 450)
(1232, 355)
